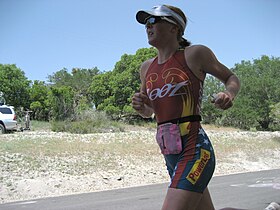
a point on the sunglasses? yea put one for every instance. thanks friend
(155, 19)
(152, 20)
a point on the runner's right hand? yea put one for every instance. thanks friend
(139, 100)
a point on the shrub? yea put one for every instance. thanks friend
(89, 121)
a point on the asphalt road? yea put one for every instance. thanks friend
(249, 191)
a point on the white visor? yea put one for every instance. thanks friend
(161, 10)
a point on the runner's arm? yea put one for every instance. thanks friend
(140, 101)
(211, 65)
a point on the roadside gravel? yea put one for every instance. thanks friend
(46, 164)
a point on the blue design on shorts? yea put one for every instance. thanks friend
(198, 171)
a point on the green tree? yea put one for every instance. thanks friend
(210, 113)
(260, 92)
(61, 100)
(60, 78)
(40, 105)
(112, 91)
(76, 86)
(101, 89)
(14, 85)
(275, 116)
(81, 82)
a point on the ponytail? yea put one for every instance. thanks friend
(184, 43)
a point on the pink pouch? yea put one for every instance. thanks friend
(169, 139)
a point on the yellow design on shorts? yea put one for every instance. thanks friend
(198, 166)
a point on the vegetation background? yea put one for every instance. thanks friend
(73, 96)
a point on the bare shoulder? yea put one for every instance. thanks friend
(202, 57)
(198, 50)
(143, 71)
(144, 67)
(195, 55)
(205, 61)
(146, 64)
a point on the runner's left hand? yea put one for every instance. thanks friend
(222, 100)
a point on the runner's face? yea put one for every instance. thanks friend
(158, 32)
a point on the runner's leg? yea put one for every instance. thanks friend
(177, 199)
(206, 201)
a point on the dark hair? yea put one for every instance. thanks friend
(182, 41)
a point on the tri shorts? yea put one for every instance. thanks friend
(193, 168)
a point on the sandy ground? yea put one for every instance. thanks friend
(25, 183)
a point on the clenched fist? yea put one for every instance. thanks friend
(222, 100)
(141, 103)
(139, 100)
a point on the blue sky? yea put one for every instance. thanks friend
(43, 36)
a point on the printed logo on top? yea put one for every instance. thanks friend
(172, 81)
(169, 90)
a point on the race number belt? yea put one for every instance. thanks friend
(191, 118)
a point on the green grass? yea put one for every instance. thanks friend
(40, 125)
(88, 121)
